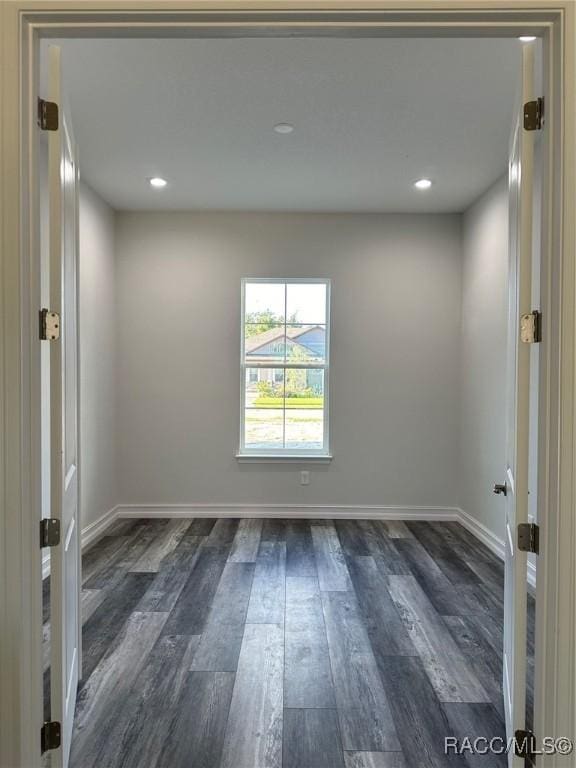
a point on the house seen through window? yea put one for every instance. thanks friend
(285, 367)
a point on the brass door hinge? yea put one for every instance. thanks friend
(533, 115)
(50, 735)
(49, 325)
(47, 115)
(531, 327)
(529, 537)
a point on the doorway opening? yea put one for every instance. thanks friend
(363, 165)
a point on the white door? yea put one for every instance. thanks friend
(65, 558)
(518, 411)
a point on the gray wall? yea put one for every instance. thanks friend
(395, 355)
(483, 356)
(97, 357)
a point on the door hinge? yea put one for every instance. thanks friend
(531, 327)
(50, 735)
(529, 537)
(47, 115)
(524, 744)
(49, 325)
(534, 114)
(49, 532)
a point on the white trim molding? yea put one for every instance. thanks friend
(304, 511)
(97, 528)
(493, 542)
(22, 23)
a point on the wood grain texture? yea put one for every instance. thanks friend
(473, 721)
(445, 665)
(103, 696)
(192, 607)
(268, 596)
(481, 656)
(330, 561)
(105, 623)
(386, 630)
(382, 548)
(352, 538)
(437, 542)
(220, 645)
(374, 760)
(300, 558)
(90, 599)
(222, 534)
(311, 739)
(396, 529)
(307, 672)
(166, 541)
(421, 722)
(246, 542)
(253, 736)
(136, 736)
(174, 573)
(363, 710)
(317, 671)
(443, 595)
(195, 736)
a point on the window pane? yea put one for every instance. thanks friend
(304, 408)
(306, 303)
(264, 409)
(264, 343)
(305, 343)
(264, 302)
(263, 428)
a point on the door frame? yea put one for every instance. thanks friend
(23, 22)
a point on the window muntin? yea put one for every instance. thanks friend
(285, 343)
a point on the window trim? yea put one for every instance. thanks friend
(280, 454)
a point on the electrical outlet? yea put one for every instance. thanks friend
(304, 477)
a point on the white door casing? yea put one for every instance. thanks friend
(521, 165)
(65, 558)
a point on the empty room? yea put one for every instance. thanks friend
(297, 422)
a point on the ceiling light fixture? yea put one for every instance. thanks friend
(157, 182)
(423, 184)
(527, 38)
(283, 128)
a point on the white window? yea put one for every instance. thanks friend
(285, 339)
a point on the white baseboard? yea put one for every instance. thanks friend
(90, 535)
(493, 542)
(482, 532)
(314, 511)
(96, 530)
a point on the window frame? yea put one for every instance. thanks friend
(268, 454)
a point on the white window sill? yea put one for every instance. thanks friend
(267, 458)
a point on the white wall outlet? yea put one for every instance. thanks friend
(304, 477)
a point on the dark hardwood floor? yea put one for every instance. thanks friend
(224, 643)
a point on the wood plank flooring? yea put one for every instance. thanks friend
(287, 644)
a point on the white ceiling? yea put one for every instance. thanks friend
(370, 117)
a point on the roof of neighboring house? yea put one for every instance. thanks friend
(252, 343)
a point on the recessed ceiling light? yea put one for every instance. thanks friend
(283, 128)
(527, 38)
(423, 184)
(158, 182)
